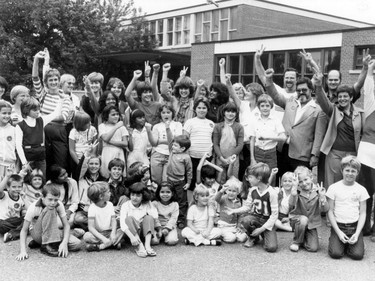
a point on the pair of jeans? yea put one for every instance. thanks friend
(337, 249)
(303, 235)
(181, 198)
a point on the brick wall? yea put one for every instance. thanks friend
(350, 40)
(202, 62)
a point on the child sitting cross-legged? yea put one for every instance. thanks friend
(228, 224)
(262, 204)
(103, 232)
(306, 206)
(41, 217)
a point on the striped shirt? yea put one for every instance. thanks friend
(200, 132)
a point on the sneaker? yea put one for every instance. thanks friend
(215, 242)
(33, 244)
(249, 243)
(49, 250)
(294, 247)
(78, 232)
(92, 248)
(8, 237)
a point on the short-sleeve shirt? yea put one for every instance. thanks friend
(200, 216)
(102, 216)
(10, 208)
(82, 139)
(117, 136)
(200, 132)
(151, 111)
(160, 133)
(347, 200)
(35, 209)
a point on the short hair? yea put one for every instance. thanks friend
(286, 175)
(80, 121)
(96, 77)
(345, 88)
(222, 96)
(142, 87)
(255, 88)
(203, 100)
(184, 82)
(64, 78)
(204, 86)
(50, 73)
(133, 117)
(170, 108)
(5, 104)
(103, 100)
(350, 161)
(183, 141)
(139, 188)
(14, 177)
(305, 80)
(107, 111)
(302, 169)
(208, 172)
(29, 104)
(235, 183)
(55, 171)
(171, 188)
(291, 69)
(112, 81)
(259, 170)
(96, 189)
(134, 169)
(37, 173)
(17, 90)
(116, 162)
(334, 70)
(229, 106)
(264, 99)
(199, 190)
(52, 189)
(3, 83)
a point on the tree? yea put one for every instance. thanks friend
(74, 31)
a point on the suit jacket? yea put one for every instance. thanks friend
(306, 136)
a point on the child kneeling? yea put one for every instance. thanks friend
(347, 212)
(200, 220)
(103, 232)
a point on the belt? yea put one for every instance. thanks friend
(33, 146)
(347, 224)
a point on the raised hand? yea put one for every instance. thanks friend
(366, 57)
(371, 65)
(46, 55)
(40, 55)
(183, 71)
(200, 82)
(227, 78)
(147, 68)
(269, 73)
(166, 66)
(156, 67)
(306, 56)
(222, 62)
(137, 74)
(259, 52)
(317, 78)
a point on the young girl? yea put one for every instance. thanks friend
(138, 139)
(158, 139)
(288, 180)
(139, 214)
(90, 164)
(103, 232)
(200, 220)
(7, 139)
(228, 140)
(18, 94)
(32, 187)
(68, 190)
(80, 138)
(93, 84)
(30, 134)
(168, 210)
(117, 87)
(114, 136)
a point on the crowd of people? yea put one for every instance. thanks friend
(148, 163)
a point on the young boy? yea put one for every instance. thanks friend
(11, 206)
(179, 172)
(42, 218)
(347, 212)
(116, 183)
(102, 224)
(265, 132)
(262, 199)
(228, 224)
(306, 205)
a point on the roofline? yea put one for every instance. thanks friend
(264, 1)
(288, 35)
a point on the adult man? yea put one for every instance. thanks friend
(304, 124)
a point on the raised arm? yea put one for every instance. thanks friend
(147, 71)
(222, 70)
(259, 66)
(107, 136)
(278, 98)
(35, 74)
(94, 103)
(128, 93)
(200, 84)
(231, 91)
(321, 96)
(154, 82)
(362, 76)
(369, 99)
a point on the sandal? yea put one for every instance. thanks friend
(141, 253)
(151, 252)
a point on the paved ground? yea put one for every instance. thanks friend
(228, 262)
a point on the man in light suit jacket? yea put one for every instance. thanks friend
(304, 122)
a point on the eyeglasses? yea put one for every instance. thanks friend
(303, 90)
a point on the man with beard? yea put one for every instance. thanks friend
(304, 124)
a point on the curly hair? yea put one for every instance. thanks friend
(222, 96)
(184, 83)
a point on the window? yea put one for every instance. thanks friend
(198, 27)
(234, 67)
(215, 26)
(160, 32)
(331, 60)
(177, 30)
(170, 32)
(232, 22)
(186, 29)
(224, 15)
(359, 55)
(247, 69)
(206, 26)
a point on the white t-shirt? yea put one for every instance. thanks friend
(347, 200)
(200, 132)
(199, 216)
(35, 209)
(10, 208)
(82, 139)
(160, 133)
(102, 216)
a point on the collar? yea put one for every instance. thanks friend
(308, 194)
(311, 103)
(115, 183)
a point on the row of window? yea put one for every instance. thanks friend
(219, 24)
